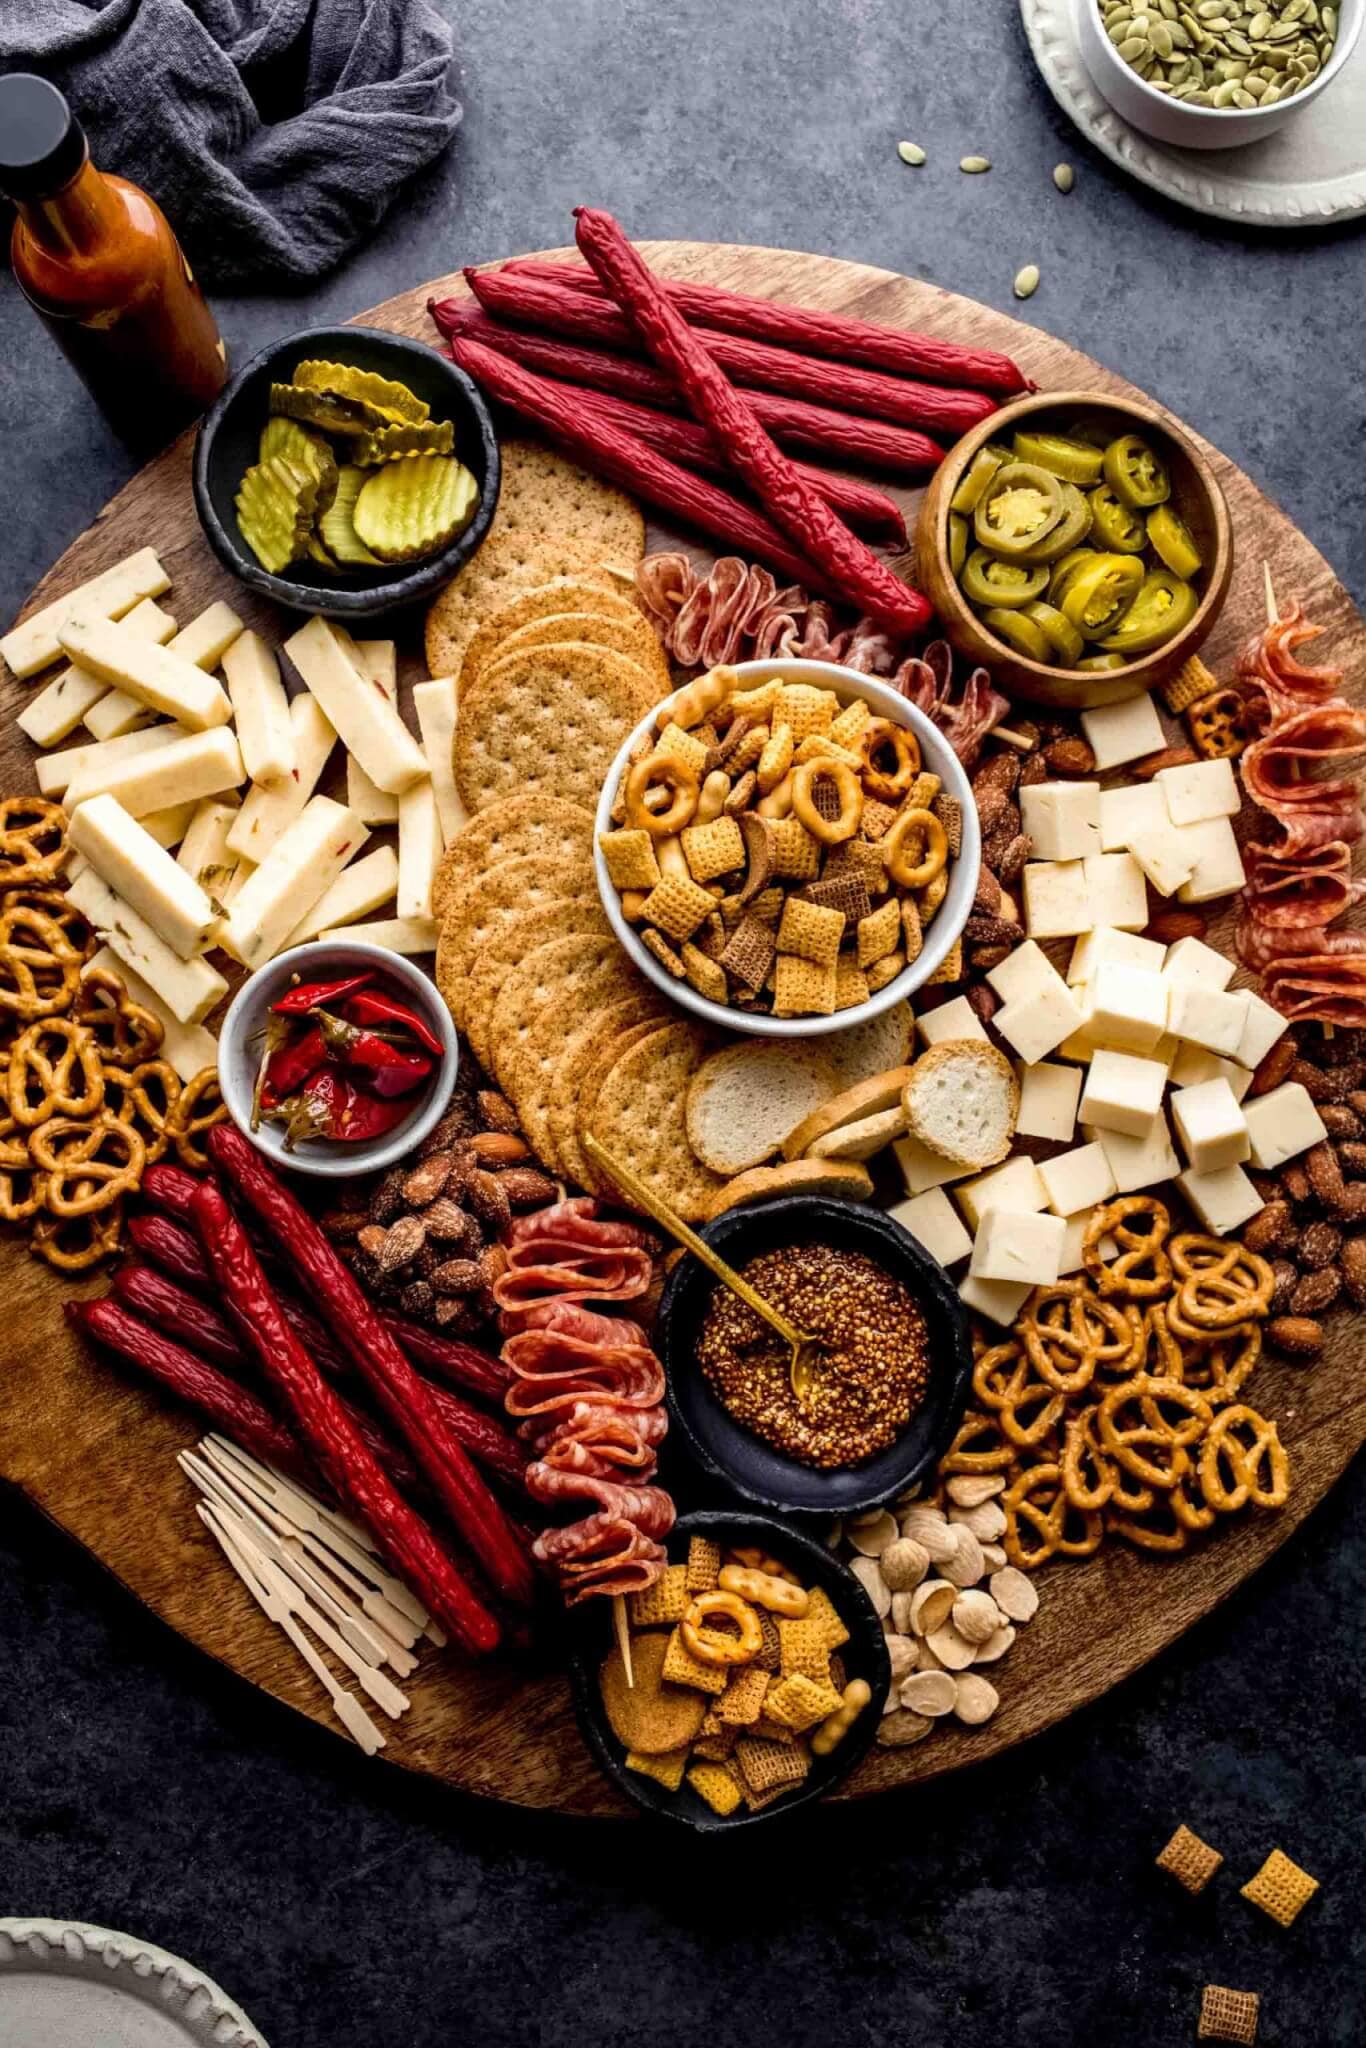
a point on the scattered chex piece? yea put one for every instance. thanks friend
(1189, 1860)
(1228, 2015)
(1281, 1888)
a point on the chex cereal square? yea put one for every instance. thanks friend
(714, 849)
(879, 933)
(630, 858)
(677, 907)
(811, 930)
(1189, 1860)
(803, 988)
(1281, 1888)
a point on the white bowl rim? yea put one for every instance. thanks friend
(344, 1161)
(947, 926)
(1343, 46)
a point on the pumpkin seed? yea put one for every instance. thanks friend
(1240, 44)
(1258, 26)
(910, 153)
(1064, 177)
(1027, 281)
(974, 164)
(1161, 39)
(1118, 29)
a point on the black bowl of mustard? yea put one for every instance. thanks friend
(744, 1461)
(863, 1656)
(228, 442)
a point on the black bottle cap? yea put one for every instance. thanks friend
(42, 144)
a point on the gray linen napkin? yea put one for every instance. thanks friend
(274, 133)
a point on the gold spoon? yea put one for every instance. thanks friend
(806, 1350)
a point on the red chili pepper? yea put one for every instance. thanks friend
(360, 1481)
(235, 1410)
(289, 1069)
(386, 1069)
(793, 506)
(836, 335)
(310, 995)
(405, 1398)
(793, 422)
(332, 1106)
(372, 1006)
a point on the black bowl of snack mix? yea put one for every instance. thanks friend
(768, 1743)
(871, 1424)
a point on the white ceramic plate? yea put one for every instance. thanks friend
(1308, 173)
(63, 1983)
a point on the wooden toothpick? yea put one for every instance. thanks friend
(622, 1627)
(1272, 614)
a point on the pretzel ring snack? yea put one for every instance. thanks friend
(74, 1245)
(51, 902)
(830, 831)
(1258, 1469)
(1154, 1450)
(779, 1596)
(1124, 1275)
(32, 839)
(977, 1447)
(929, 842)
(61, 1060)
(187, 1121)
(79, 1180)
(888, 780)
(676, 776)
(1088, 1481)
(126, 1033)
(23, 1191)
(709, 1648)
(33, 950)
(1027, 1518)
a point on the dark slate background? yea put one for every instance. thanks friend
(1015, 1906)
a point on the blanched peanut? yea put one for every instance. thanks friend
(712, 798)
(832, 1732)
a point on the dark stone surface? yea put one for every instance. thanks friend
(1014, 1907)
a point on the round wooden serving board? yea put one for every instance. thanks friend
(97, 1452)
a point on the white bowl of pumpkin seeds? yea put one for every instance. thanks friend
(1215, 74)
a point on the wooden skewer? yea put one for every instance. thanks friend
(622, 1627)
(1273, 616)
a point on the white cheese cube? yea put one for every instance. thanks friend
(188, 1047)
(191, 766)
(1126, 814)
(1193, 1065)
(1210, 1125)
(1200, 790)
(163, 681)
(957, 1019)
(1260, 1032)
(922, 1169)
(1192, 960)
(1282, 1124)
(366, 721)
(1036, 1025)
(1223, 1201)
(1166, 1049)
(1062, 818)
(1127, 1007)
(1077, 1179)
(188, 988)
(1209, 1017)
(143, 873)
(1048, 1102)
(1164, 859)
(266, 813)
(1218, 868)
(1016, 1185)
(358, 890)
(1000, 1301)
(1123, 732)
(303, 862)
(1138, 1162)
(434, 704)
(1017, 1245)
(57, 773)
(111, 595)
(1056, 900)
(933, 1222)
(1105, 943)
(1115, 891)
(1122, 1092)
(395, 934)
(1023, 973)
(419, 849)
(261, 709)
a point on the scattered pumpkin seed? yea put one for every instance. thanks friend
(974, 164)
(1027, 281)
(910, 153)
(1064, 177)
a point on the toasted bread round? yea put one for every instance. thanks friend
(962, 1100)
(743, 1101)
(870, 1047)
(863, 1138)
(851, 1105)
(649, 1716)
(842, 1180)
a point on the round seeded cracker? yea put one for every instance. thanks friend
(592, 595)
(555, 832)
(592, 1047)
(565, 978)
(591, 1087)
(552, 722)
(490, 899)
(633, 638)
(512, 940)
(639, 1116)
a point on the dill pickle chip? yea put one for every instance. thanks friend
(387, 444)
(409, 509)
(307, 450)
(276, 501)
(316, 552)
(343, 380)
(326, 409)
(338, 533)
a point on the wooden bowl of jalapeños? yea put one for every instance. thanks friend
(1195, 495)
(746, 1463)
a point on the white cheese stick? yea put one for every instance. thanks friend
(395, 934)
(56, 772)
(195, 764)
(366, 722)
(303, 862)
(143, 873)
(34, 644)
(419, 849)
(73, 694)
(188, 1047)
(163, 681)
(377, 659)
(260, 709)
(358, 890)
(266, 813)
(166, 827)
(373, 806)
(204, 852)
(434, 704)
(188, 988)
(202, 642)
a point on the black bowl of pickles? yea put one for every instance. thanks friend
(346, 471)
(1076, 544)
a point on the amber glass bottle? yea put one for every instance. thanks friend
(97, 259)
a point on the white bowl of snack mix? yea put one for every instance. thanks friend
(840, 877)
(1222, 85)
